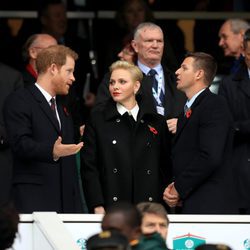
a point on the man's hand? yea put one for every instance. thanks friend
(60, 150)
(171, 196)
(81, 129)
(172, 125)
(99, 210)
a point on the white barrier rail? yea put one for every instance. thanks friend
(45, 231)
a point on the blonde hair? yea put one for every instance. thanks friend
(133, 69)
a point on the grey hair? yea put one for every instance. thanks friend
(238, 25)
(141, 26)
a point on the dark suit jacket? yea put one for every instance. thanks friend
(174, 99)
(10, 80)
(28, 78)
(201, 158)
(236, 89)
(121, 163)
(39, 182)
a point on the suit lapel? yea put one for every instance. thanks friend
(42, 102)
(244, 86)
(183, 120)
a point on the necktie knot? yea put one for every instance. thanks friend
(152, 72)
(53, 104)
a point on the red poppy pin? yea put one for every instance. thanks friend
(188, 113)
(65, 111)
(153, 130)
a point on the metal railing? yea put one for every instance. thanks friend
(158, 15)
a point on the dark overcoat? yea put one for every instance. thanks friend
(122, 161)
(236, 89)
(201, 157)
(39, 182)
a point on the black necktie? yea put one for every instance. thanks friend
(53, 107)
(152, 73)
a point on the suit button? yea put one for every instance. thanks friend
(148, 171)
(115, 198)
(117, 120)
(142, 121)
(150, 199)
(115, 170)
(148, 144)
(114, 141)
(248, 159)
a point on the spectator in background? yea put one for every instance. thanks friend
(125, 218)
(108, 240)
(34, 44)
(231, 40)
(129, 15)
(127, 53)
(203, 176)
(9, 219)
(127, 145)
(41, 136)
(10, 81)
(154, 218)
(236, 89)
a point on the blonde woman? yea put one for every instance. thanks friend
(126, 152)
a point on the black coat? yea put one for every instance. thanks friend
(174, 99)
(39, 182)
(236, 89)
(201, 158)
(122, 162)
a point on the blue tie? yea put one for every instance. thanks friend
(152, 73)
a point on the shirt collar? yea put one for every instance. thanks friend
(145, 69)
(191, 101)
(122, 110)
(45, 93)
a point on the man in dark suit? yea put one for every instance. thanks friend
(203, 180)
(41, 136)
(165, 99)
(10, 81)
(236, 89)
